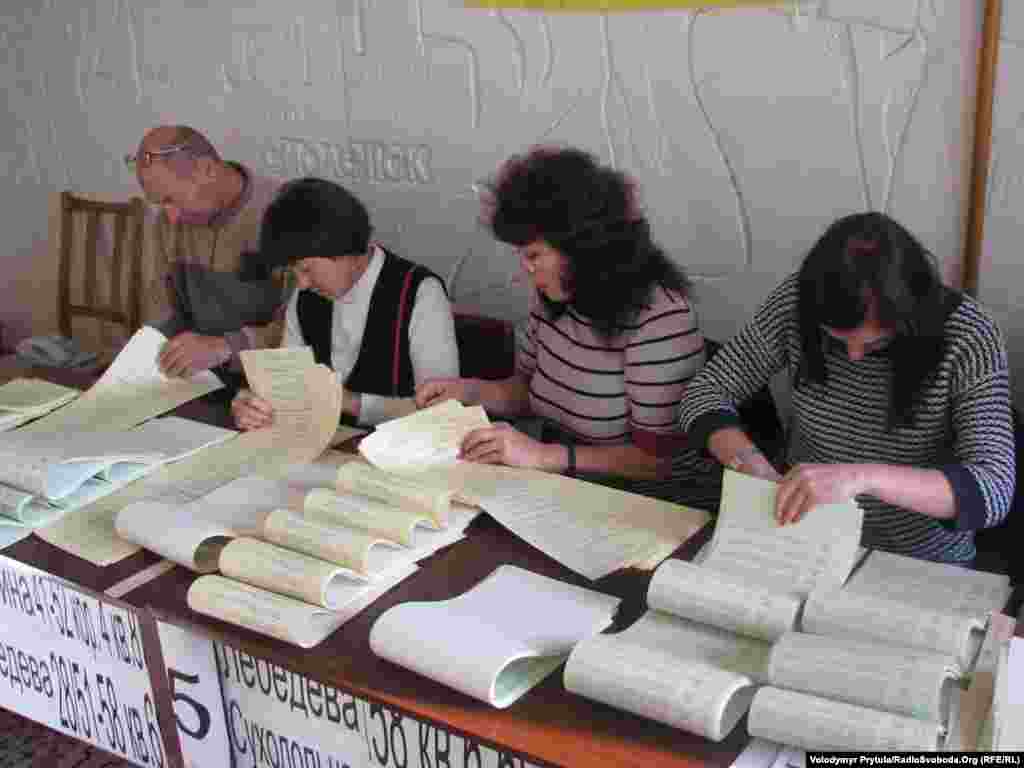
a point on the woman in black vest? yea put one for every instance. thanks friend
(381, 322)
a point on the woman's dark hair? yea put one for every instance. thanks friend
(589, 213)
(865, 258)
(313, 218)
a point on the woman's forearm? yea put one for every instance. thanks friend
(627, 461)
(926, 491)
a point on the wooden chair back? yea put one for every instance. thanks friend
(100, 264)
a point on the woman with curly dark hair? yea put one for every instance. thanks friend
(611, 340)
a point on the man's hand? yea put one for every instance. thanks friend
(189, 353)
(251, 411)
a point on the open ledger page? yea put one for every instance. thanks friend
(362, 479)
(293, 621)
(276, 374)
(288, 572)
(589, 528)
(839, 612)
(362, 553)
(152, 525)
(811, 722)
(34, 395)
(697, 592)
(687, 675)
(22, 400)
(936, 586)
(366, 554)
(820, 549)
(383, 520)
(23, 509)
(55, 466)
(500, 638)
(131, 391)
(306, 398)
(423, 439)
(89, 531)
(178, 531)
(914, 683)
(71, 470)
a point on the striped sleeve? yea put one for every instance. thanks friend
(983, 475)
(740, 368)
(662, 354)
(526, 343)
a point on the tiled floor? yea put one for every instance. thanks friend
(26, 744)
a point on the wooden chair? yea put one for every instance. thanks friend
(100, 277)
(487, 347)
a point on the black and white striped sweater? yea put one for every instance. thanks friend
(962, 424)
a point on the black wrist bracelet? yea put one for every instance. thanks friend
(570, 460)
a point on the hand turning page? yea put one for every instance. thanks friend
(131, 391)
(306, 399)
(424, 439)
(501, 638)
(748, 543)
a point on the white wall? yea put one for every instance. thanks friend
(1001, 283)
(749, 130)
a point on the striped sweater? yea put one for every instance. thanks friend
(962, 423)
(622, 390)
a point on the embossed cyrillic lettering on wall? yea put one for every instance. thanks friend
(372, 161)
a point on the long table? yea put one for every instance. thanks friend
(548, 726)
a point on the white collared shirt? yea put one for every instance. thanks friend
(431, 334)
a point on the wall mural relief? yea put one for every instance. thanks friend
(1001, 275)
(749, 130)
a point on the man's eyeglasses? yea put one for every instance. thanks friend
(145, 159)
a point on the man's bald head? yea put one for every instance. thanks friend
(178, 167)
(177, 146)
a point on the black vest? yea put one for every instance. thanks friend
(383, 366)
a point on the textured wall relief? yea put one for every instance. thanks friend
(742, 128)
(1006, 176)
(269, 55)
(429, 40)
(742, 215)
(21, 136)
(109, 53)
(901, 99)
(631, 108)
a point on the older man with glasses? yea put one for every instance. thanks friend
(204, 219)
